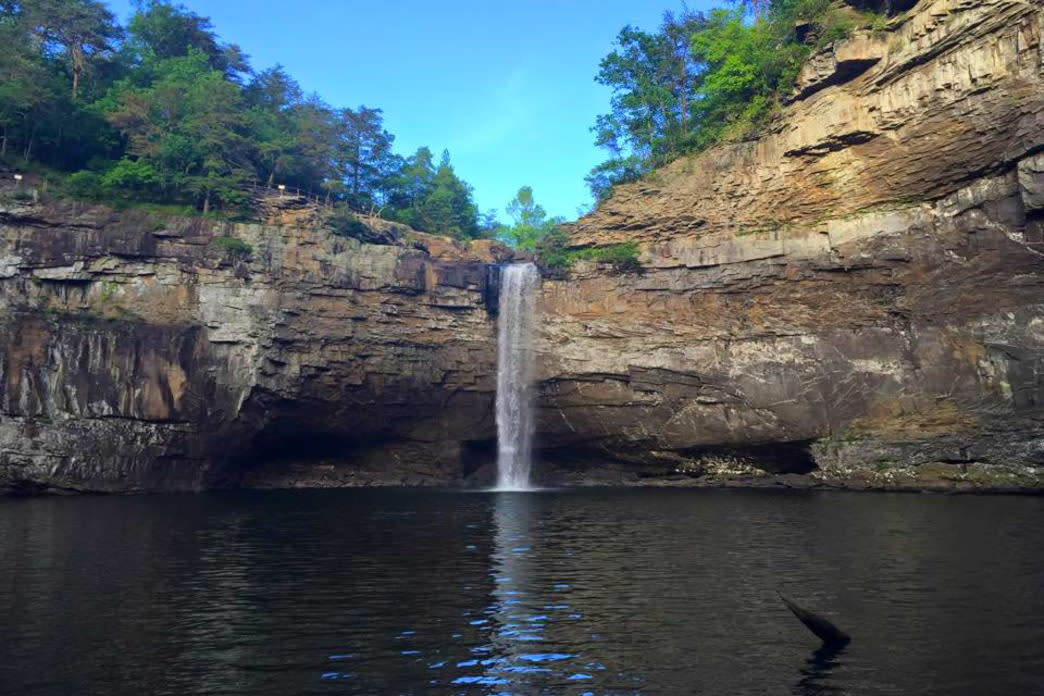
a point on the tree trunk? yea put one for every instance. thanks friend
(30, 132)
(206, 203)
(58, 145)
(667, 130)
(76, 52)
(684, 100)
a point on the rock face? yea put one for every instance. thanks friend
(143, 355)
(863, 286)
(856, 299)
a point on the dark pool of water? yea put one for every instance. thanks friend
(581, 592)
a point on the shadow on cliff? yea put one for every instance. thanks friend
(614, 462)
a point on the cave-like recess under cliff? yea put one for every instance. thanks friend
(854, 299)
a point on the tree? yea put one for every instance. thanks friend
(79, 30)
(449, 204)
(531, 223)
(654, 78)
(38, 115)
(406, 189)
(163, 30)
(188, 126)
(272, 97)
(363, 154)
(173, 116)
(488, 223)
(313, 166)
(431, 198)
(618, 169)
(702, 79)
(24, 81)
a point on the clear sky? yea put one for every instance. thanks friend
(507, 87)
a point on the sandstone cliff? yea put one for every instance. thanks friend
(140, 354)
(856, 298)
(865, 283)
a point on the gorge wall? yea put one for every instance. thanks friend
(856, 298)
(864, 282)
(140, 354)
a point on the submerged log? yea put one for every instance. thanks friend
(826, 631)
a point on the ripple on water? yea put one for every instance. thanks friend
(202, 597)
(487, 680)
(545, 657)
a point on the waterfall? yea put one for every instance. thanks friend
(518, 289)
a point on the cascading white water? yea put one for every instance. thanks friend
(518, 316)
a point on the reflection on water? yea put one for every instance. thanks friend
(585, 592)
(533, 625)
(815, 674)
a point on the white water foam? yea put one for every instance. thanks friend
(519, 284)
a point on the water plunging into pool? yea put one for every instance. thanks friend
(519, 284)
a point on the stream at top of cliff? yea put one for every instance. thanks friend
(557, 592)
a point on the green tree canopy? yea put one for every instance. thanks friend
(655, 78)
(432, 198)
(26, 86)
(365, 161)
(188, 126)
(162, 30)
(78, 31)
(703, 78)
(530, 223)
(167, 112)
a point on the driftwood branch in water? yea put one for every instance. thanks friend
(826, 631)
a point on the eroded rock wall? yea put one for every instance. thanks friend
(865, 283)
(140, 354)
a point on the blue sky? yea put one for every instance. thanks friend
(508, 88)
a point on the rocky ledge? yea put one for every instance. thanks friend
(854, 299)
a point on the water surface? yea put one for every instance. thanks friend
(582, 592)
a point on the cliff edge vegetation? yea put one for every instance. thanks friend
(704, 78)
(162, 112)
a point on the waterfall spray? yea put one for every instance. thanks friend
(518, 308)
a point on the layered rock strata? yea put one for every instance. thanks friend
(149, 354)
(863, 285)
